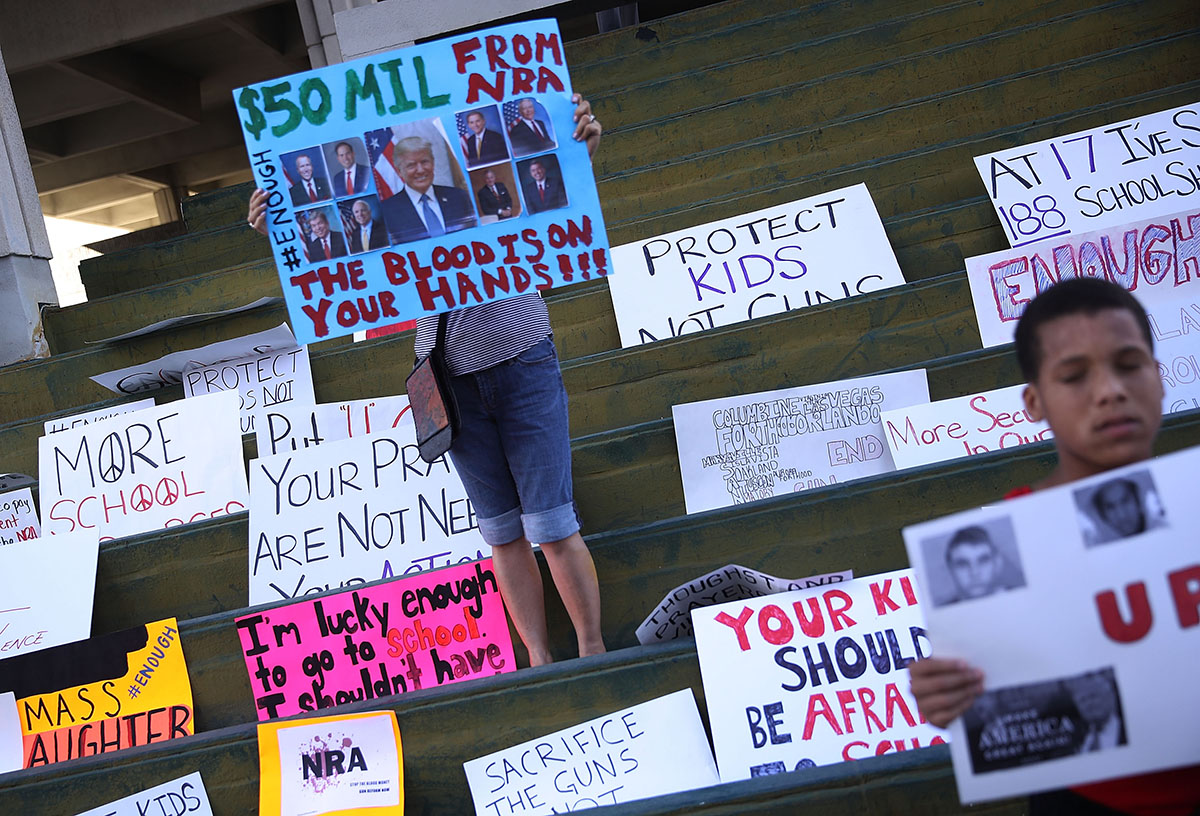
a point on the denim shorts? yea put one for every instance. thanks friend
(513, 452)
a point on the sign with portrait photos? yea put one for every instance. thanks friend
(424, 180)
(1081, 606)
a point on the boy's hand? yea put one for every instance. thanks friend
(944, 688)
(587, 127)
(256, 214)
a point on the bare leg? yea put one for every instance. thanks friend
(575, 577)
(521, 586)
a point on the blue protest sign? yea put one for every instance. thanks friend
(424, 180)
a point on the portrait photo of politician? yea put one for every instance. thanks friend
(479, 132)
(346, 159)
(973, 562)
(323, 241)
(495, 193)
(425, 209)
(529, 128)
(305, 171)
(541, 184)
(1119, 508)
(364, 227)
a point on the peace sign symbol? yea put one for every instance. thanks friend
(110, 460)
(167, 493)
(141, 498)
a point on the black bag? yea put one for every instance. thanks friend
(434, 408)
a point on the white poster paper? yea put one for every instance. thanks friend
(46, 592)
(185, 795)
(368, 778)
(262, 381)
(18, 517)
(1081, 605)
(672, 618)
(734, 450)
(815, 250)
(962, 426)
(813, 677)
(159, 467)
(651, 749)
(294, 427)
(169, 370)
(1157, 260)
(353, 511)
(1133, 170)
(12, 745)
(99, 415)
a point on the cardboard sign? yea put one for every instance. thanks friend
(1137, 169)
(430, 629)
(813, 677)
(160, 467)
(815, 250)
(354, 511)
(175, 798)
(423, 180)
(262, 382)
(295, 427)
(169, 370)
(67, 423)
(11, 745)
(740, 449)
(1109, 689)
(18, 517)
(672, 618)
(101, 695)
(963, 426)
(651, 749)
(46, 591)
(353, 764)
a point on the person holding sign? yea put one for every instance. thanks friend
(1087, 353)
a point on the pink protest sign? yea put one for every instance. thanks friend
(425, 630)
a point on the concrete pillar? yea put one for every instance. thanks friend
(26, 282)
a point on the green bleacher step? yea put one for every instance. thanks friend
(223, 207)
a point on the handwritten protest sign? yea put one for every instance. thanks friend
(813, 677)
(651, 749)
(358, 510)
(175, 798)
(1109, 689)
(739, 449)
(423, 180)
(66, 423)
(101, 695)
(295, 427)
(962, 426)
(672, 618)
(18, 517)
(160, 467)
(1137, 169)
(1158, 260)
(262, 382)
(352, 764)
(430, 629)
(169, 370)
(815, 250)
(46, 591)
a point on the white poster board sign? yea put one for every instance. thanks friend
(813, 677)
(1133, 170)
(651, 749)
(1109, 689)
(156, 468)
(1158, 260)
(815, 250)
(262, 381)
(18, 517)
(66, 423)
(354, 511)
(739, 449)
(12, 745)
(671, 618)
(185, 795)
(293, 427)
(46, 591)
(962, 426)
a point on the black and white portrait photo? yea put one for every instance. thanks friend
(1119, 508)
(973, 562)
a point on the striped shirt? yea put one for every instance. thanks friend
(482, 336)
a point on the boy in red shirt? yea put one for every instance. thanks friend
(1087, 354)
